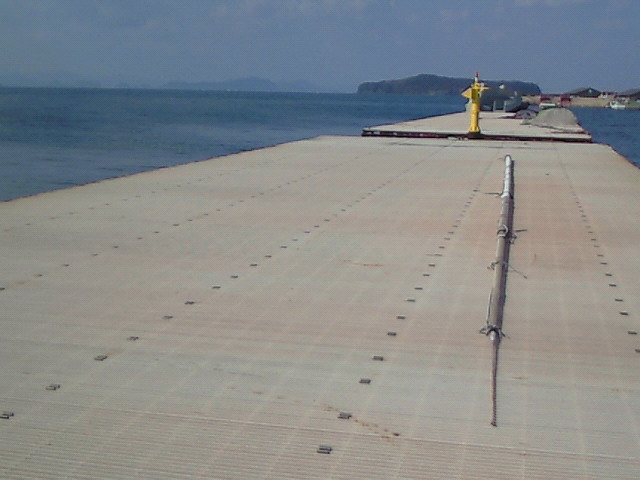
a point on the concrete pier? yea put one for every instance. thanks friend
(312, 310)
(495, 126)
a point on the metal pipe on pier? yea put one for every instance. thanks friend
(500, 265)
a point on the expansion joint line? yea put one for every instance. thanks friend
(500, 266)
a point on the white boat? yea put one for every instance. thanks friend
(547, 104)
(617, 105)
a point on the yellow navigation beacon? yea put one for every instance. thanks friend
(474, 93)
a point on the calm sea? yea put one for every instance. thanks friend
(618, 128)
(56, 138)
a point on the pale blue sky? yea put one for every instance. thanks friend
(560, 44)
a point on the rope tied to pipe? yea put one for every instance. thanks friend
(492, 266)
(488, 329)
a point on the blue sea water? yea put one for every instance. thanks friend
(618, 128)
(56, 138)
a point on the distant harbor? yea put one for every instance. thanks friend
(589, 97)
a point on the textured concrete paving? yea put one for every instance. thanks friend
(240, 301)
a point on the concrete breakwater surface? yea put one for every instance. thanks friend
(312, 310)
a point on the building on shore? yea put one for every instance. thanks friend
(583, 92)
(579, 97)
(632, 94)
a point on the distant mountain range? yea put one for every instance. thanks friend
(428, 84)
(68, 80)
(255, 84)
(423, 84)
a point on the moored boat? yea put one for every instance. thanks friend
(617, 105)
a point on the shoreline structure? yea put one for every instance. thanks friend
(312, 310)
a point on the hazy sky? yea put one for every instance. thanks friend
(560, 44)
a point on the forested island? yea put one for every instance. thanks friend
(428, 84)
